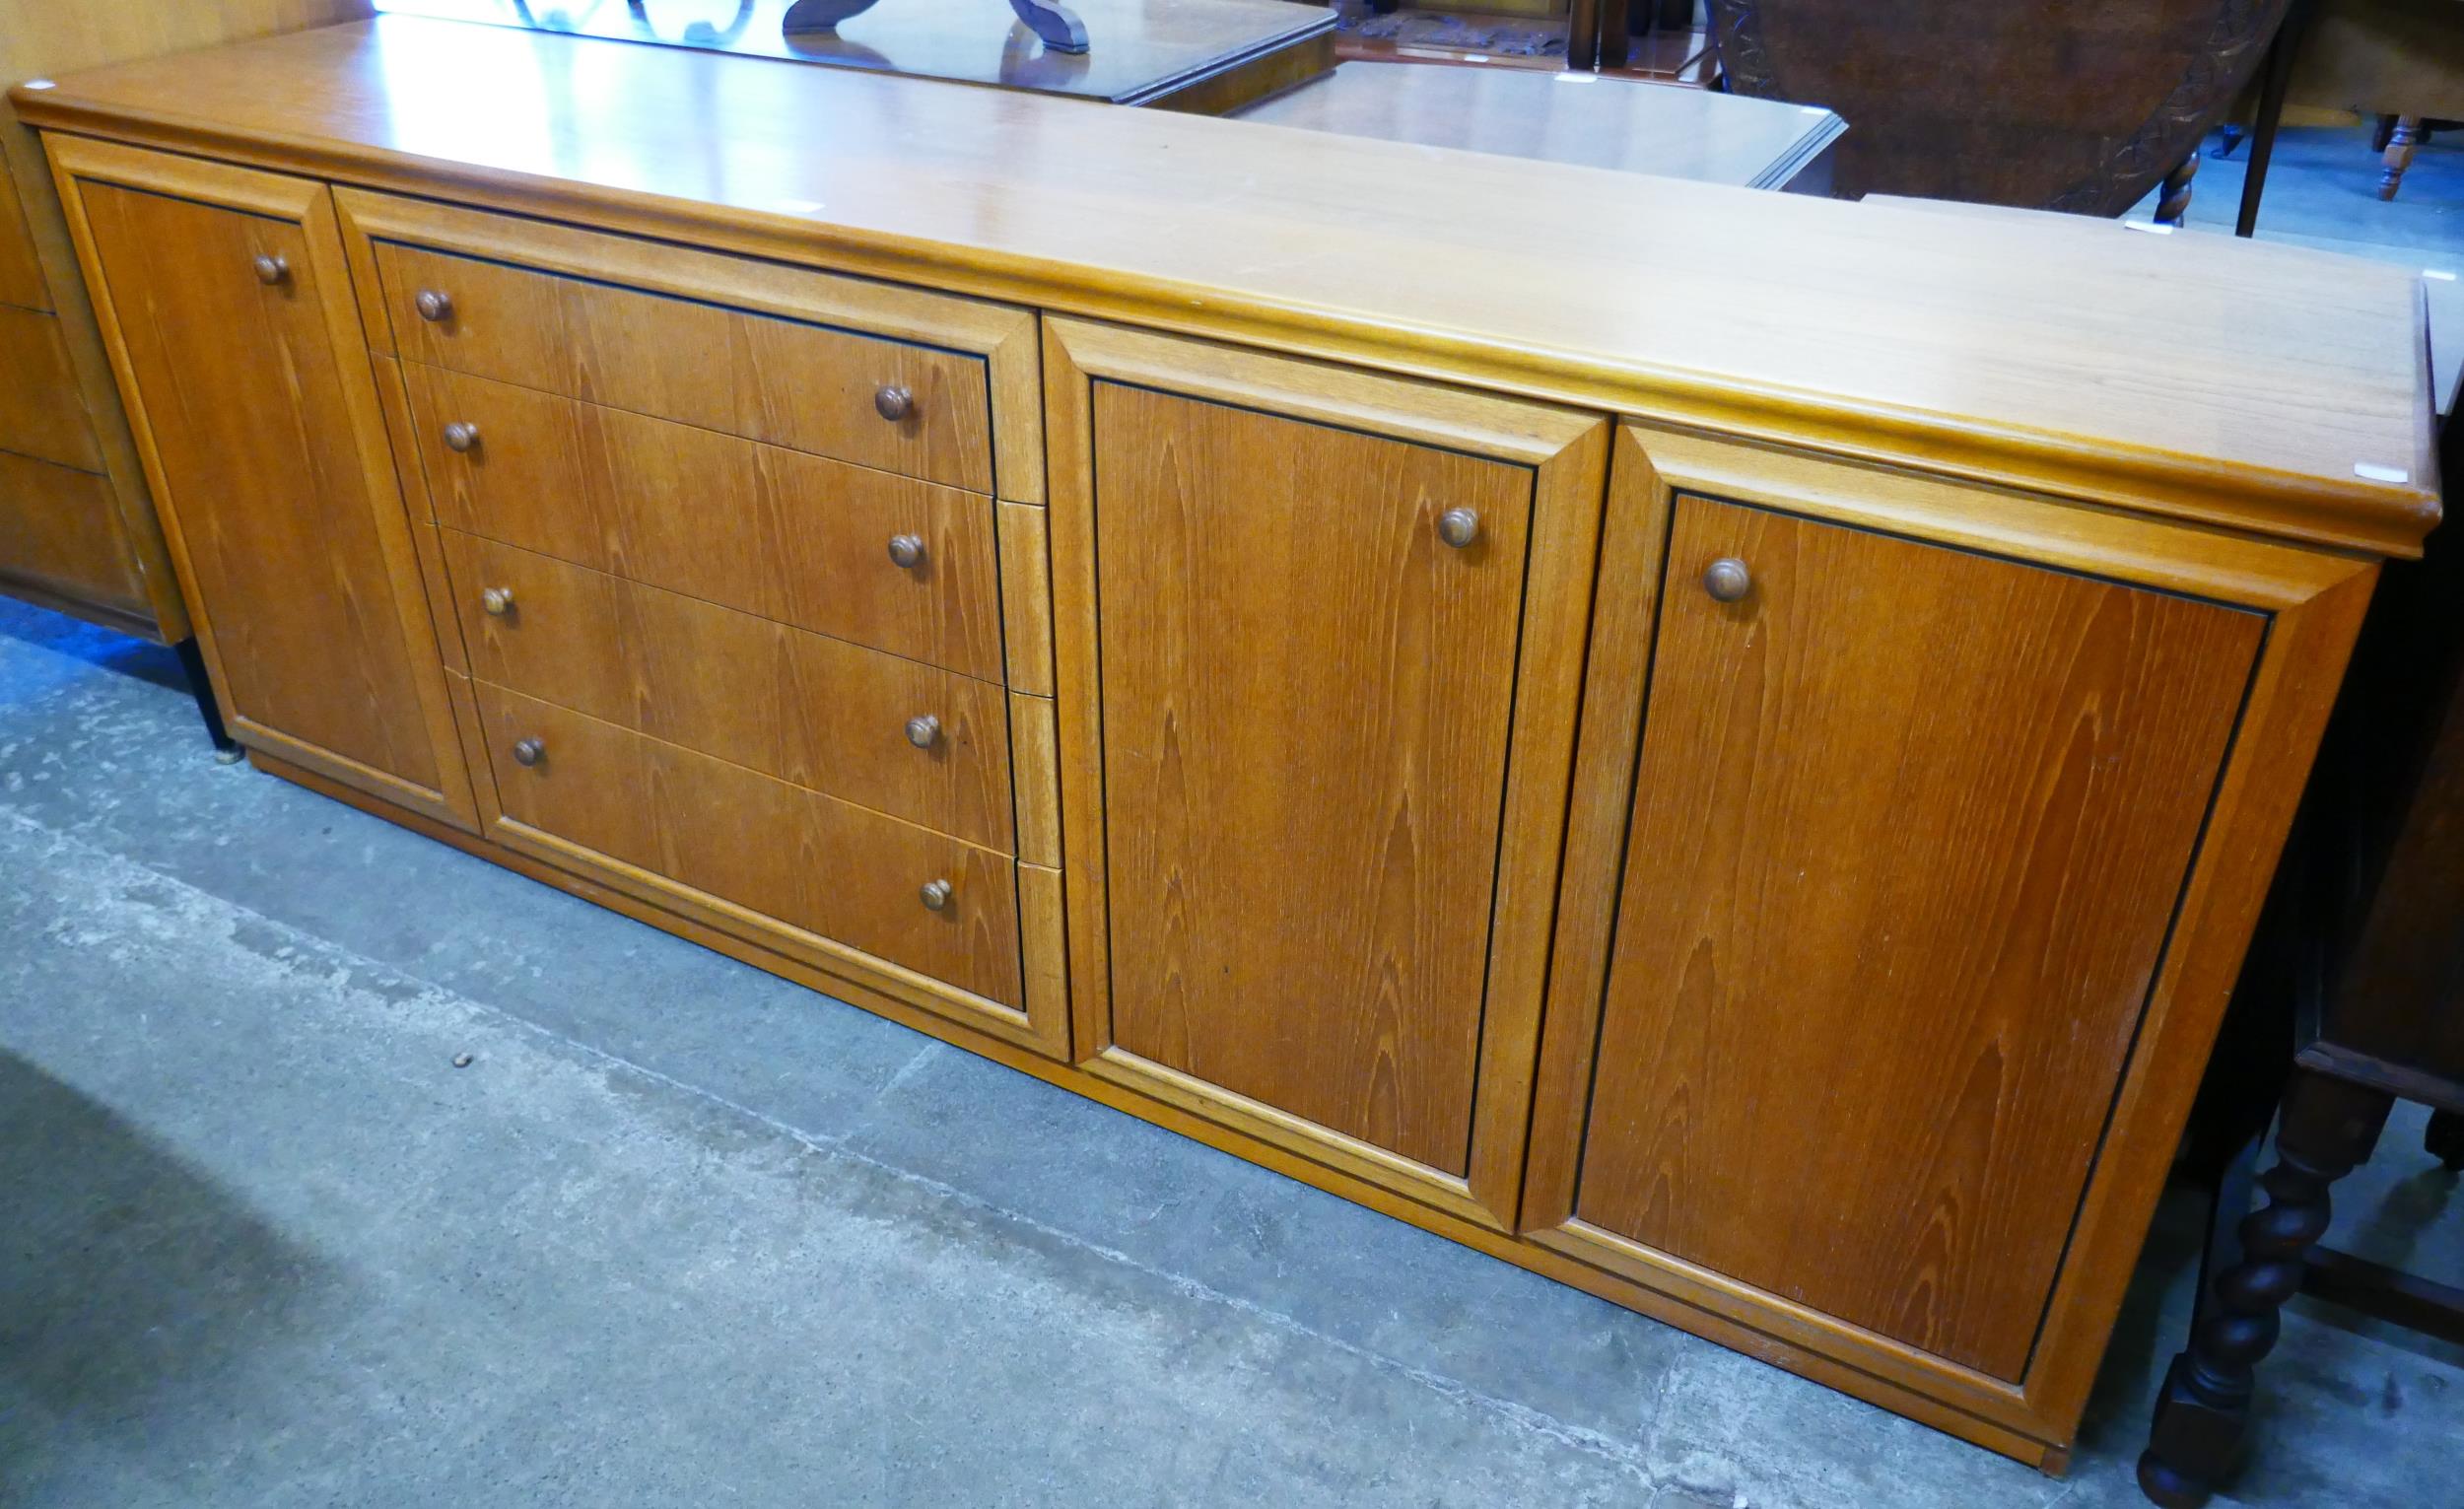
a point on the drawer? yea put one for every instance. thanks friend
(759, 528)
(815, 711)
(40, 413)
(809, 861)
(897, 406)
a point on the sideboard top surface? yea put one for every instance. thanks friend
(2261, 387)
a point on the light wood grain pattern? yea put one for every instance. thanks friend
(759, 528)
(779, 849)
(259, 466)
(61, 543)
(21, 274)
(38, 269)
(1035, 744)
(1563, 455)
(41, 414)
(1306, 699)
(1004, 336)
(2187, 375)
(1027, 598)
(818, 712)
(1868, 1006)
(766, 378)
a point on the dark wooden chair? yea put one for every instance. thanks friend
(2080, 107)
(2357, 974)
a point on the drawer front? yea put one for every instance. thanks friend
(814, 711)
(40, 413)
(912, 409)
(759, 528)
(805, 859)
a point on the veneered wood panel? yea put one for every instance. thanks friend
(806, 859)
(40, 415)
(251, 426)
(1909, 824)
(756, 527)
(818, 712)
(21, 274)
(63, 537)
(2258, 376)
(783, 381)
(1305, 712)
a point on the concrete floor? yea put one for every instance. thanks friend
(685, 1234)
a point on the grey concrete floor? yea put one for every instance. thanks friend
(682, 1233)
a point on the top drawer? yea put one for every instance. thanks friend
(883, 377)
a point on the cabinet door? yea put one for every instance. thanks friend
(1907, 836)
(1318, 737)
(226, 301)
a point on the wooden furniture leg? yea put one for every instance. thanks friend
(1616, 38)
(2400, 145)
(1583, 35)
(2173, 202)
(2327, 1126)
(2278, 74)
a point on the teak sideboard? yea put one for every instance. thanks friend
(1721, 747)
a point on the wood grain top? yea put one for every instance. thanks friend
(1595, 120)
(2269, 388)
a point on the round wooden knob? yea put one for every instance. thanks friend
(497, 601)
(936, 895)
(271, 270)
(460, 437)
(530, 751)
(435, 306)
(906, 549)
(924, 731)
(893, 403)
(1459, 527)
(1727, 579)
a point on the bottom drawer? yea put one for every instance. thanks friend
(809, 860)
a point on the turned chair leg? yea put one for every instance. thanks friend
(2327, 1126)
(2174, 202)
(2400, 143)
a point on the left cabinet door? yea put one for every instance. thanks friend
(227, 304)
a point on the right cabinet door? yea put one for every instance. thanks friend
(1907, 832)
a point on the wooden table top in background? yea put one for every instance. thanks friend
(1137, 50)
(1582, 119)
(2269, 388)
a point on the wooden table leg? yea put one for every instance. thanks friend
(1583, 36)
(2279, 73)
(2173, 204)
(1616, 39)
(2327, 1126)
(2408, 135)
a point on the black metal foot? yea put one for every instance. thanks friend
(192, 663)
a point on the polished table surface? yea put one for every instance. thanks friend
(1137, 50)
(1587, 119)
(2267, 388)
